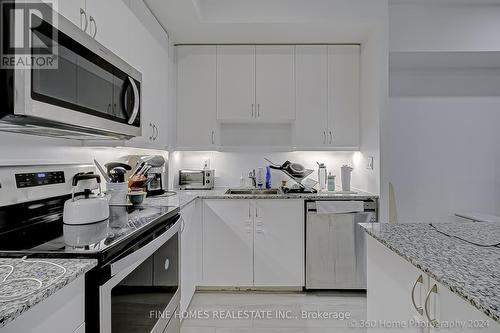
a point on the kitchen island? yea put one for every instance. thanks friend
(435, 273)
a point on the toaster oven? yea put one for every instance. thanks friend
(196, 179)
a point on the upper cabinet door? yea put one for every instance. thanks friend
(196, 97)
(109, 25)
(311, 75)
(275, 83)
(74, 10)
(235, 83)
(343, 96)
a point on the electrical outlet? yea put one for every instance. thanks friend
(206, 164)
(369, 165)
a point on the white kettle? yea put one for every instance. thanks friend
(87, 208)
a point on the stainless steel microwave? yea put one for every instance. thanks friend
(90, 93)
(196, 179)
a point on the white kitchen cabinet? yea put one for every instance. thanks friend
(63, 312)
(389, 289)
(236, 83)
(197, 98)
(227, 243)
(445, 307)
(327, 97)
(255, 83)
(253, 243)
(153, 66)
(275, 83)
(279, 243)
(109, 24)
(311, 125)
(190, 238)
(74, 10)
(394, 284)
(344, 96)
(98, 19)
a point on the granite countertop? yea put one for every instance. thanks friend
(470, 271)
(53, 278)
(182, 198)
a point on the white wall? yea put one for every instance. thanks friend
(20, 149)
(441, 153)
(443, 156)
(453, 25)
(374, 83)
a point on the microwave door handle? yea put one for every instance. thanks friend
(135, 110)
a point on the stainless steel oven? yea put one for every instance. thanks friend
(143, 291)
(89, 93)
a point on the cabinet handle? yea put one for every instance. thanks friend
(419, 309)
(253, 106)
(152, 131)
(258, 110)
(249, 212)
(213, 137)
(433, 322)
(331, 137)
(155, 132)
(324, 137)
(82, 12)
(256, 212)
(95, 26)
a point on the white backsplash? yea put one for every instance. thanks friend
(230, 166)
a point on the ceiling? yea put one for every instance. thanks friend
(268, 21)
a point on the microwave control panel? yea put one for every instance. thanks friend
(32, 179)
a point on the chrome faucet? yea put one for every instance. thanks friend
(252, 176)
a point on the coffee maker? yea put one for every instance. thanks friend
(157, 175)
(156, 181)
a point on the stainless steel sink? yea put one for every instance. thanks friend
(253, 191)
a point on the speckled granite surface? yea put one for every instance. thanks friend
(183, 198)
(18, 294)
(470, 271)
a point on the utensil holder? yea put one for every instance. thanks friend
(117, 192)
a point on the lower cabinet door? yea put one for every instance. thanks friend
(279, 243)
(395, 292)
(227, 243)
(447, 312)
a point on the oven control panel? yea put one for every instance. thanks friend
(39, 178)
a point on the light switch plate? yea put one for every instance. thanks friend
(369, 164)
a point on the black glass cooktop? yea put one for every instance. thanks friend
(37, 228)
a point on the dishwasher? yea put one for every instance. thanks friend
(335, 243)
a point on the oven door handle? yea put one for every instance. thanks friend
(146, 251)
